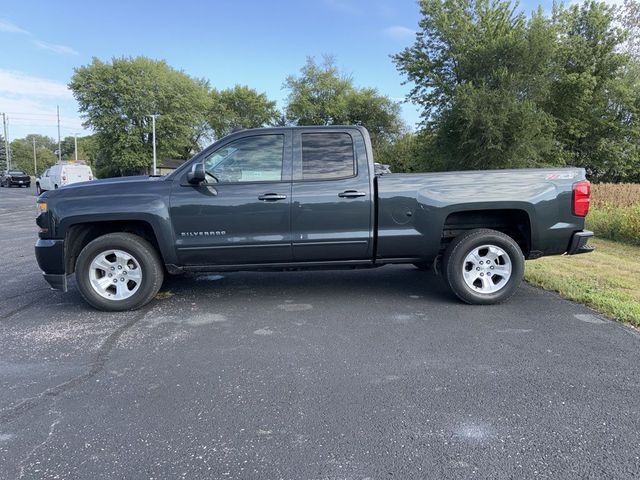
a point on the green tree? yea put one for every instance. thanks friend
(22, 153)
(478, 69)
(116, 100)
(595, 95)
(411, 152)
(86, 148)
(500, 90)
(68, 148)
(240, 107)
(321, 95)
(629, 18)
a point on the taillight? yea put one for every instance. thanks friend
(581, 198)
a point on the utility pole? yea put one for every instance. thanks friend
(6, 141)
(35, 161)
(59, 143)
(153, 123)
(75, 146)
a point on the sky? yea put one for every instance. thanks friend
(248, 42)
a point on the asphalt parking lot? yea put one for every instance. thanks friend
(315, 375)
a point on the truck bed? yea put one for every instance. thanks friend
(415, 209)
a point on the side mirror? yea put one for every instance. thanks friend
(196, 176)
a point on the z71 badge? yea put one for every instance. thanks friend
(215, 233)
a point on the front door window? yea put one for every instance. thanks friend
(249, 159)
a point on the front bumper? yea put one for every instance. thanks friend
(50, 257)
(578, 243)
(19, 182)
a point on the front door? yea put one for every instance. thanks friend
(241, 215)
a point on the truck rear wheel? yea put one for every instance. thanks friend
(119, 271)
(483, 266)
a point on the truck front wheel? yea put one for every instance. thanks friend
(483, 266)
(119, 271)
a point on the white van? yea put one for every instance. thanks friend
(63, 174)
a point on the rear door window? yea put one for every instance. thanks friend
(327, 156)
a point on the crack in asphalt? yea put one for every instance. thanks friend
(9, 414)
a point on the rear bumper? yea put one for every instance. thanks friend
(578, 243)
(19, 182)
(50, 257)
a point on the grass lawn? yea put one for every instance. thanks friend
(607, 280)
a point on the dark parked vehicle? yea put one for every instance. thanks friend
(306, 197)
(9, 178)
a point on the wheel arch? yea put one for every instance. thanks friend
(78, 235)
(513, 222)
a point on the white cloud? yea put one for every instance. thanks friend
(398, 32)
(17, 83)
(52, 47)
(7, 26)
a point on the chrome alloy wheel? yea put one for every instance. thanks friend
(115, 275)
(486, 269)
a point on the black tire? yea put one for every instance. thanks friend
(55, 187)
(38, 189)
(463, 245)
(143, 252)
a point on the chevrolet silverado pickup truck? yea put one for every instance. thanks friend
(306, 197)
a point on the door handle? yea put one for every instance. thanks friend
(271, 197)
(351, 194)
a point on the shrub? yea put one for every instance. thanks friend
(616, 223)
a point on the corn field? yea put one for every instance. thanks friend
(615, 194)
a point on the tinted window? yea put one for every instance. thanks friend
(327, 155)
(250, 159)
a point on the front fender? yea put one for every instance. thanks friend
(149, 207)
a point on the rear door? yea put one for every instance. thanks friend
(332, 209)
(242, 214)
(75, 174)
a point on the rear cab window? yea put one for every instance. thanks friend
(327, 156)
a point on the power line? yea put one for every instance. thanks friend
(62, 126)
(32, 114)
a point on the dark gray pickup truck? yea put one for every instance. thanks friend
(306, 197)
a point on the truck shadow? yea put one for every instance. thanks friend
(331, 285)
